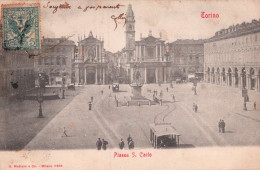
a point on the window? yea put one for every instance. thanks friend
(63, 61)
(142, 51)
(58, 60)
(52, 61)
(40, 61)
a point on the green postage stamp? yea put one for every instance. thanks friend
(20, 26)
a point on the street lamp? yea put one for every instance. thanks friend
(63, 87)
(40, 100)
(195, 85)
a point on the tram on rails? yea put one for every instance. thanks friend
(163, 135)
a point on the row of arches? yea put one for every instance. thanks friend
(244, 77)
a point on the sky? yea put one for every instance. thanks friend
(174, 19)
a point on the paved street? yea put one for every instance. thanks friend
(24, 115)
(112, 123)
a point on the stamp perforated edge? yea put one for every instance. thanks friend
(21, 5)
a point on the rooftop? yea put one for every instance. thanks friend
(237, 30)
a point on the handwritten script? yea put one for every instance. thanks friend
(121, 19)
(67, 6)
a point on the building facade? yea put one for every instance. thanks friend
(16, 71)
(91, 61)
(56, 60)
(147, 56)
(187, 57)
(232, 56)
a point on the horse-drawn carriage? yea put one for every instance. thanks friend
(115, 87)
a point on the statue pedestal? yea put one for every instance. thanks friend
(137, 99)
(137, 91)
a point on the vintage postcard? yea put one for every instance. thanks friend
(113, 84)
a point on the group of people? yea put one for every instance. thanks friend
(221, 126)
(130, 143)
(195, 107)
(101, 144)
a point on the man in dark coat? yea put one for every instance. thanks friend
(129, 139)
(223, 126)
(254, 105)
(98, 144)
(131, 144)
(121, 144)
(219, 126)
(104, 144)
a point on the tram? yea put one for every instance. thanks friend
(163, 135)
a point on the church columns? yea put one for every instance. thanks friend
(132, 74)
(156, 56)
(85, 70)
(160, 52)
(145, 75)
(156, 74)
(104, 70)
(96, 79)
(164, 74)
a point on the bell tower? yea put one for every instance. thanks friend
(130, 32)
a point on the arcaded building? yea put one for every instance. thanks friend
(148, 56)
(232, 56)
(91, 63)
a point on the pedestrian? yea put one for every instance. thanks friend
(161, 94)
(99, 144)
(89, 106)
(254, 105)
(104, 144)
(129, 139)
(131, 144)
(196, 107)
(109, 87)
(65, 132)
(223, 126)
(116, 103)
(92, 98)
(167, 89)
(219, 126)
(173, 98)
(121, 144)
(102, 92)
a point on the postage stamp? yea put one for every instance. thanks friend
(21, 26)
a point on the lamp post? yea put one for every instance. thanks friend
(40, 100)
(63, 87)
(195, 85)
